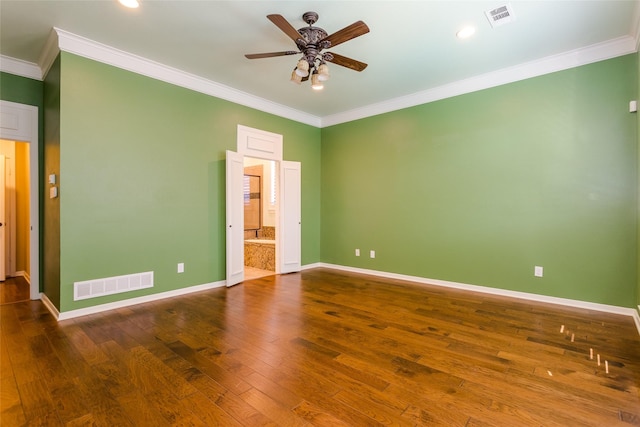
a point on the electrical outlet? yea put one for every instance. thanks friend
(181, 267)
(372, 254)
(357, 252)
(538, 271)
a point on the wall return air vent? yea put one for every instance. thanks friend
(500, 15)
(112, 285)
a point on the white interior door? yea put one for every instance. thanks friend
(235, 218)
(290, 258)
(3, 224)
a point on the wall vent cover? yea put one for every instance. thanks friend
(112, 285)
(500, 15)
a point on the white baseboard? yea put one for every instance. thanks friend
(310, 266)
(495, 291)
(126, 303)
(50, 306)
(21, 274)
(635, 314)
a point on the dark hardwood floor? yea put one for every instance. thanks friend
(321, 347)
(14, 289)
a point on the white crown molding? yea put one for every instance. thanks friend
(635, 24)
(81, 46)
(68, 42)
(495, 291)
(20, 67)
(594, 53)
(49, 53)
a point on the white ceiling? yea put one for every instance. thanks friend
(412, 50)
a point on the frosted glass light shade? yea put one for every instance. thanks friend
(295, 78)
(132, 4)
(323, 73)
(316, 84)
(303, 68)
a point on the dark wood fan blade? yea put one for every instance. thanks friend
(347, 62)
(270, 54)
(347, 33)
(284, 25)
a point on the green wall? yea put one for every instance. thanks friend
(143, 178)
(27, 91)
(482, 187)
(21, 90)
(474, 189)
(51, 207)
(638, 194)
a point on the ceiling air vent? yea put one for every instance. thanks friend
(500, 15)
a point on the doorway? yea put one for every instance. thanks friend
(260, 195)
(19, 122)
(14, 210)
(268, 146)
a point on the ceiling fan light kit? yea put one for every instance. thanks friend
(302, 69)
(323, 72)
(310, 42)
(316, 84)
(295, 77)
(131, 4)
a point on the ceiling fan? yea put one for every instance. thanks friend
(310, 42)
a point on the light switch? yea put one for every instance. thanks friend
(53, 192)
(52, 178)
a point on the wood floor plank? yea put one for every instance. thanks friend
(210, 413)
(321, 347)
(275, 411)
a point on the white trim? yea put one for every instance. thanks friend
(259, 143)
(78, 45)
(636, 318)
(127, 302)
(495, 291)
(575, 58)
(81, 46)
(312, 266)
(635, 24)
(49, 53)
(50, 306)
(20, 67)
(23, 274)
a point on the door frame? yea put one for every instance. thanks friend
(19, 122)
(267, 146)
(3, 219)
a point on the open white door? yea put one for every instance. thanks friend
(235, 218)
(290, 259)
(3, 224)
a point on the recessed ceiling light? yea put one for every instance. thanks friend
(129, 3)
(466, 32)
